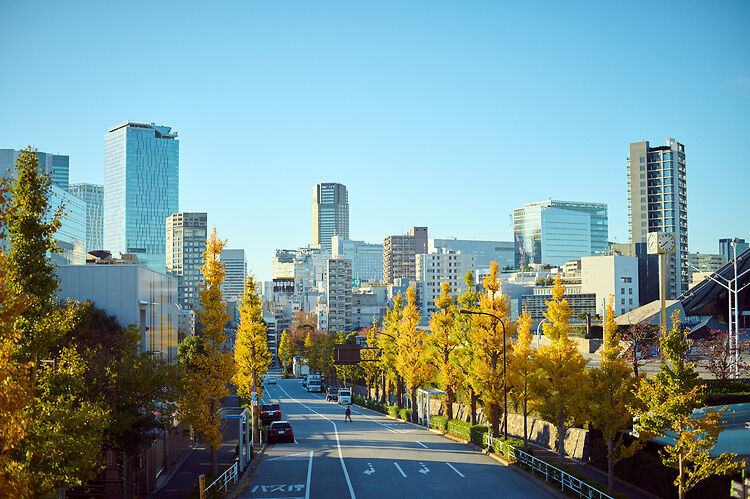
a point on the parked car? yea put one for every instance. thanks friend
(270, 412)
(332, 395)
(304, 381)
(271, 380)
(345, 396)
(280, 431)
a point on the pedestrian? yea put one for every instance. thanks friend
(348, 414)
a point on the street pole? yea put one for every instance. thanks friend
(663, 275)
(538, 335)
(736, 316)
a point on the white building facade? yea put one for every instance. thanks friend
(433, 269)
(608, 276)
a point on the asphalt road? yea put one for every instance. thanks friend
(371, 457)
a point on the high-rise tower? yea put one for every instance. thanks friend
(141, 188)
(330, 214)
(657, 202)
(93, 194)
(186, 243)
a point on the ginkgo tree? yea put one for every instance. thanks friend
(211, 368)
(668, 402)
(443, 341)
(251, 355)
(558, 388)
(611, 390)
(521, 367)
(411, 359)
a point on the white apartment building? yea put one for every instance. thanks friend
(433, 269)
(608, 276)
(339, 295)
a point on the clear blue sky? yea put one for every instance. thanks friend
(444, 114)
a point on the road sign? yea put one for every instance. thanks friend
(255, 389)
(254, 396)
(254, 403)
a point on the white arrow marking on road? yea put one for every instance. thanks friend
(370, 470)
(454, 469)
(424, 469)
(399, 469)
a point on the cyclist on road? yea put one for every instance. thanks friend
(348, 415)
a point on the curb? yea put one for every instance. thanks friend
(242, 481)
(184, 455)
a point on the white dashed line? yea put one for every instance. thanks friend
(454, 469)
(399, 469)
(423, 445)
(309, 473)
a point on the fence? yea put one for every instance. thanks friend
(231, 475)
(551, 473)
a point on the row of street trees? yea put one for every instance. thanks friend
(74, 384)
(464, 355)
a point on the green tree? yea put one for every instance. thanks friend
(490, 345)
(669, 399)
(443, 341)
(251, 354)
(371, 369)
(611, 390)
(521, 366)
(211, 369)
(411, 359)
(557, 388)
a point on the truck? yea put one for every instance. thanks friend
(314, 383)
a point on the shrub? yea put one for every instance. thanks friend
(393, 411)
(505, 450)
(477, 434)
(405, 414)
(459, 428)
(438, 422)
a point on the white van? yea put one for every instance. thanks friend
(345, 396)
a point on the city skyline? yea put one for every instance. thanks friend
(448, 106)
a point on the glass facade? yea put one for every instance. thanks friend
(235, 273)
(93, 195)
(141, 188)
(555, 232)
(330, 214)
(71, 236)
(56, 165)
(366, 258)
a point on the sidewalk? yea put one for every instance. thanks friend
(181, 479)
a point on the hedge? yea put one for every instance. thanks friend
(498, 448)
(438, 422)
(393, 411)
(459, 428)
(405, 414)
(477, 434)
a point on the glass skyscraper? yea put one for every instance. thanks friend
(93, 194)
(555, 232)
(141, 188)
(56, 165)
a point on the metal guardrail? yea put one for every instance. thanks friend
(551, 473)
(231, 475)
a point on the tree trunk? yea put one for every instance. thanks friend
(495, 410)
(413, 399)
(385, 390)
(473, 406)
(449, 398)
(399, 393)
(525, 423)
(610, 466)
(681, 489)
(561, 436)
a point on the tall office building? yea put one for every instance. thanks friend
(657, 202)
(485, 252)
(433, 269)
(56, 165)
(186, 243)
(236, 274)
(93, 194)
(399, 254)
(726, 247)
(141, 188)
(366, 258)
(330, 214)
(555, 232)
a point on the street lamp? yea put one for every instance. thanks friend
(538, 335)
(505, 385)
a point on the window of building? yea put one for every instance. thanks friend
(622, 291)
(622, 302)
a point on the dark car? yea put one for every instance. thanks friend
(270, 412)
(280, 431)
(332, 394)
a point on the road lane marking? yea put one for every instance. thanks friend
(454, 469)
(399, 469)
(424, 469)
(309, 473)
(370, 470)
(338, 442)
(423, 445)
